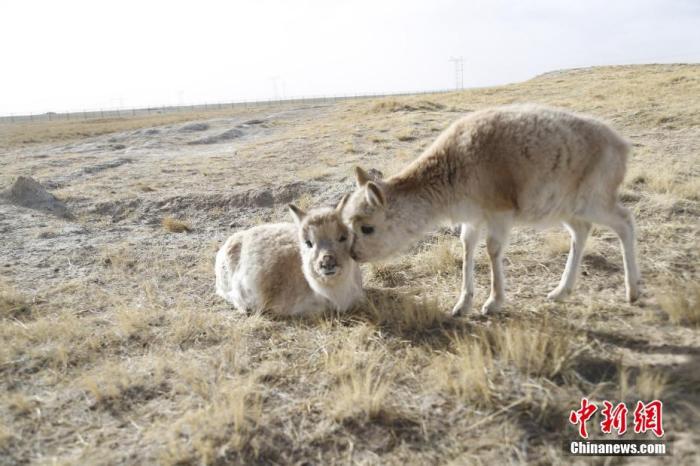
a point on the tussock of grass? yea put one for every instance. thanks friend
(362, 394)
(643, 383)
(176, 226)
(651, 384)
(108, 383)
(222, 431)
(404, 312)
(13, 304)
(682, 304)
(406, 135)
(536, 349)
(444, 257)
(117, 387)
(305, 202)
(357, 349)
(192, 327)
(136, 323)
(20, 404)
(675, 181)
(478, 366)
(556, 243)
(466, 372)
(363, 381)
(54, 342)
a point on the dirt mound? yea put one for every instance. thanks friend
(27, 192)
(227, 135)
(251, 199)
(239, 206)
(195, 127)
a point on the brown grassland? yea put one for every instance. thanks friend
(115, 350)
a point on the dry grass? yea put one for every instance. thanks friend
(119, 257)
(305, 202)
(361, 393)
(679, 182)
(652, 384)
(540, 349)
(443, 257)
(406, 135)
(115, 350)
(222, 430)
(405, 105)
(467, 373)
(175, 225)
(12, 304)
(682, 304)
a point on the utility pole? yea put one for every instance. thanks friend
(459, 71)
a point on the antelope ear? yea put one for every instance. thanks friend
(297, 213)
(341, 204)
(361, 176)
(374, 194)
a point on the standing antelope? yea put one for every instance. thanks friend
(496, 167)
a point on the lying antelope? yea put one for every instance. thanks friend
(291, 268)
(494, 168)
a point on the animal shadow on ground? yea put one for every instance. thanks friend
(410, 317)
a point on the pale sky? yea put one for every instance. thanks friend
(79, 54)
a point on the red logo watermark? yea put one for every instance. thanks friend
(647, 417)
(614, 418)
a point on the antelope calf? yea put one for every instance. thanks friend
(291, 268)
(494, 168)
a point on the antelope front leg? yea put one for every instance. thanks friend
(469, 237)
(496, 242)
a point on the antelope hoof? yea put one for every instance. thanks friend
(558, 294)
(491, 306)
(463, 306)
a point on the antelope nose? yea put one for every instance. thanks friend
(328, 262)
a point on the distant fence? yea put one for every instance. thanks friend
(132, 112)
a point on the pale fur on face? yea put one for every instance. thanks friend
(323, 240)
(365, 214)
(379, 227)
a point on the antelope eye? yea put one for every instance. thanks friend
(367, 230)
(342, 238)
(308, 244)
